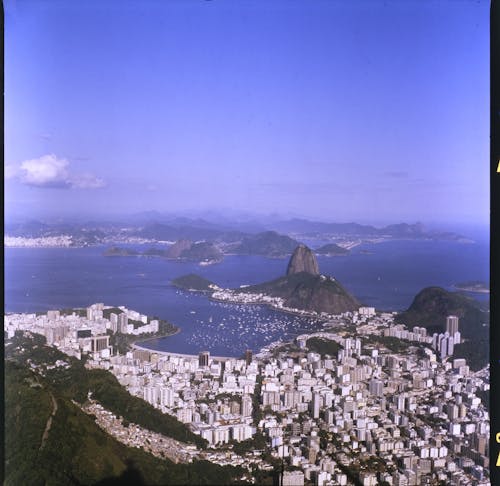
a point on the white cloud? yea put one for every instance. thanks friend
(86, 181)
(51, 171)
(46, 171)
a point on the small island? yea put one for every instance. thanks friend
(194, 283)
(119, 251)
(332, 250)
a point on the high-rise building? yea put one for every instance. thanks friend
(452, 325)
(53, 315)
(246, 406)
(203, 358)
(376, 387)
(293, 478)
(316, 404)
(122, 322)
(113, 319)
(98, 343)
(248, 356)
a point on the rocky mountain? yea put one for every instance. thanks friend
(304, 288)
(178, 248)
(309, 292)
(303, 260)
(431, 306)
(301, 288)
(202, 251)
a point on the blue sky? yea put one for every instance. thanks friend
(369, 111)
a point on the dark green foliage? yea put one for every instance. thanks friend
(107, 391)
(485, 398)
(120, 342)
(323, 346)
(256, 443)
(393, 344)
(475, 352)
(431, 306)
(77, 451)
(76, 381)
(113, 310)
(27, 408)
(256, 411)
(290, 349)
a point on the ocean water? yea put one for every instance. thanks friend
(385, 275)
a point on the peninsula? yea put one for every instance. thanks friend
(303, 290)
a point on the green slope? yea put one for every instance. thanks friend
(308, 292)
(76, 450)
(430, 308)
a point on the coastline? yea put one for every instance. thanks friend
(177, 331)
(135, 345)
(472, 289)
(285, 310)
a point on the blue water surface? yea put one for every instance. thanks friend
(384, 275)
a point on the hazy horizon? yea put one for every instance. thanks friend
(374, 112)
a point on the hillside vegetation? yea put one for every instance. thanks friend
(76, 451)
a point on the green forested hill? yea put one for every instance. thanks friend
(76, 451)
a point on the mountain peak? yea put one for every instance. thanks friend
(303, 260)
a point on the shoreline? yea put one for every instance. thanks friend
(285, 310)
(177, 331)
(181, 355)
(472, 290)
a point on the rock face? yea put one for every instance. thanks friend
(303, 260)
(175, 251)
(202, 251)
(304, 288)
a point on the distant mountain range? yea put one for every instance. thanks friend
(270, 239)
(401, 230)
